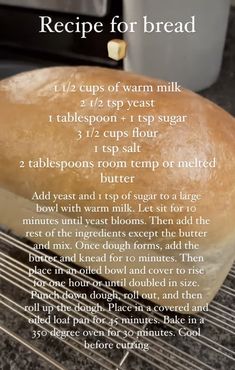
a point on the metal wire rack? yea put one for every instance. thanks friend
(213, 349)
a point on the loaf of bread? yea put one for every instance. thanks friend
(29, 99)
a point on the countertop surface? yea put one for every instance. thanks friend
(14, 356)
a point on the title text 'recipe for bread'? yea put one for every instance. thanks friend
(48, 25)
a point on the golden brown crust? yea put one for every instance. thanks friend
(28, 99)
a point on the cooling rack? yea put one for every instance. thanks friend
(212, 350)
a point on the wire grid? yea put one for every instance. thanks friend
(214, 346)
